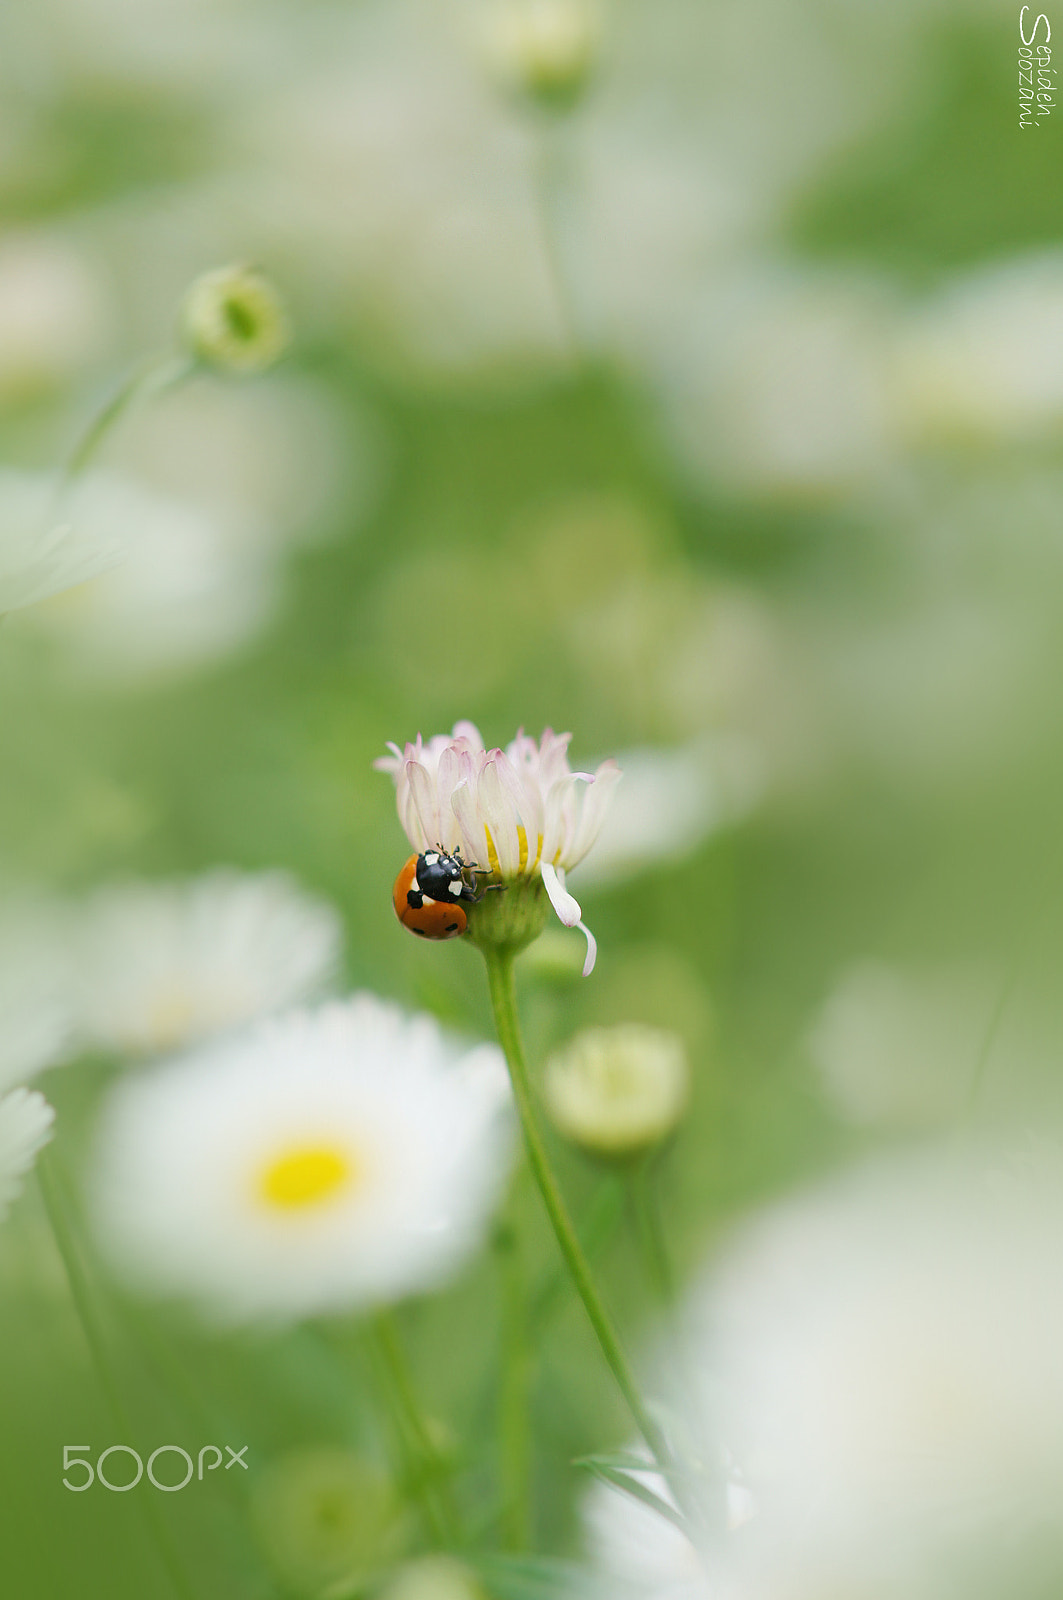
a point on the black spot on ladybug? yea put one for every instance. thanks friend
(451, 927)
(420, 933)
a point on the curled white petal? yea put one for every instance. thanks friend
(566, 906)
(568, 909)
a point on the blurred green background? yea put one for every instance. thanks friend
(788, 502)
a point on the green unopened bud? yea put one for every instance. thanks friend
(326, 1519)
(434, 1578)
(234, 319)
(546, 49)
(510, 917)
(617, 1091)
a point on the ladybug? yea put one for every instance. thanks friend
(428, 892)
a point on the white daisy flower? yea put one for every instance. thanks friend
(25, 1127)
(194, 583)
(160, 965)
(981, 361)
(35, 1019)
(883, 1357)
(521, 812)
(48, 542)
(322, 1161)
(637, 1551)
(56, 315)
(901, 1047)
(672, 800)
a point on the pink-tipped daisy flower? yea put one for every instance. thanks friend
(520, 813)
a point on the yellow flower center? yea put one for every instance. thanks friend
(305, 1176)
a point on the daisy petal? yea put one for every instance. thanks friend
(568, 909)
(423, 794)
(592, 949)
(596, 802)
(473, 837)
(500, 813)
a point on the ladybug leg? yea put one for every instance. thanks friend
(477, 891)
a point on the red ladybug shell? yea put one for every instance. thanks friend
(433, 919)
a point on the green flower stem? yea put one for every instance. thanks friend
(81, 1296)
(547, 189)
(513, 1406)
(141, 385)
(644, 1197)
(603, 1216)
(433, 1473)
(504, 1002)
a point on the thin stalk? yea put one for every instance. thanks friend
(81, 1296)
(504, 1003)
(989, 1037)
(442, 1517)
(141, 384)
(546, 192)
(642, 1191)
(513, 1400)
(598, 1226)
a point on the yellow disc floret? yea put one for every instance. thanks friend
(305, 1176)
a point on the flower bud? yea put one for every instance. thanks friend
(546, 49)
(325, 1517)
(510, 918)
(617, 1091)
(434, 1578)
(233, 319)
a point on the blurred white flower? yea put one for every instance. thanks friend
(672, 800)
(35, 1004)
(49, 541)
(281, 456)
(617, 1090)
(54, 313)
(161, 964)
(638, 1552)
(779, 386)
(322, 1161)
(900, 1047)
(521, 812)
(191, 587)
(882, 1355)
(25, 1127)
(983, 361)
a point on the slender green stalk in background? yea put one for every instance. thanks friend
(513, 1401)
(645, 1207)
(432, 1473)
(500, 961)
(142, 384)
(81, 1295)
(597, 1227)
(548, 192)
